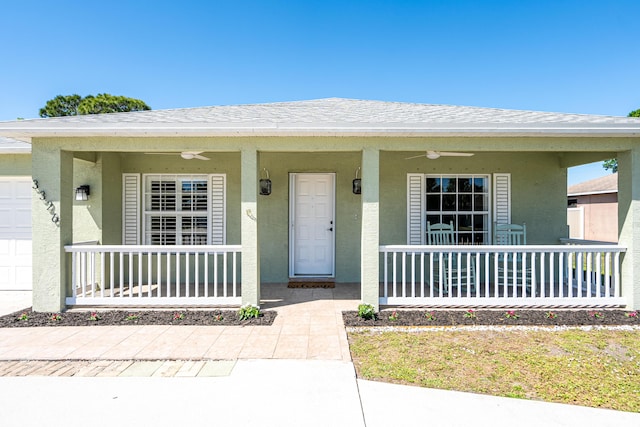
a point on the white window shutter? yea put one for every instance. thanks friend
(415, 209)
(502, 198)
(130, 209)
(218, 209)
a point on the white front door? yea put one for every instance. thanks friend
(15, 234)
(312, 224)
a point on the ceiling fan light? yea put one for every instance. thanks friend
(187, 156)
(432, 155)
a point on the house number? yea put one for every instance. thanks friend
(55, 218)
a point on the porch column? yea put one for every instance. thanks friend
(370, 258)
(249, 227)
(53, 169)
(629, 224)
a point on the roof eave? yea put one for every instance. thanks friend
(309, 131)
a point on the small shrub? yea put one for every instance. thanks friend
(93, 316)
(132, 317)
(366, 311)
(178, 316)
(55, 317)
(249, 311)
(470, 314)
(550, 315)
(218, 317)
(511, 314)
(632, 314)
(23, 317)
(430, 316)
(393, 316)
(596, 315)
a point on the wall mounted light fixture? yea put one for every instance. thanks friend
(357, 183)
(83, 192)
(265, 184)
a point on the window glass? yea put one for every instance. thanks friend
(433, 202)
(480, 185)
(194, 196)
(448, 185)
(480, 202)
(448, 202)
(433, 185)
(162, 196)
(463, 200)
(464, 185)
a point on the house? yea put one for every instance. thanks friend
(593, 209)
(208, 205)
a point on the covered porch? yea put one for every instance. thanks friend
(477, 273)
(151, 196)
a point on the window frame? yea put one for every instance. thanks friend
(417, 204)
(178, 213)
(456, 213)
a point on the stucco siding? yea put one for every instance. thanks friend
(15, 165)
(87, 215)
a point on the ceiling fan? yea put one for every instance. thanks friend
(432, 155)
(187, 155)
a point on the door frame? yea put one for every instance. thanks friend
(292, 211)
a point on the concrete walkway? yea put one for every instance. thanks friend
(295, 372)
(308, 326)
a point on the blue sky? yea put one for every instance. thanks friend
(566, 56)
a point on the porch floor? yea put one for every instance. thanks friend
(308, 326)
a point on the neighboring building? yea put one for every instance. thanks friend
(593, 209)
(204, 206)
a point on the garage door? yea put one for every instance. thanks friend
(15, 233)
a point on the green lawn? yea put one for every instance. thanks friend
(598, 368)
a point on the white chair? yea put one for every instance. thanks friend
(509, 234)
(443, 235)
(512, 235)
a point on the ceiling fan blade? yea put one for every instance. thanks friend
(455, 154)
(199, 157)
(415, 157)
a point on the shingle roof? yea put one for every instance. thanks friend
(331, 116)
(10, 145)
(605, 184)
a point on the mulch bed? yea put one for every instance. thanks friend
(494, 317)
(28, 318)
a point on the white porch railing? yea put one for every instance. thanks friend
(502, 276)
(154, 275)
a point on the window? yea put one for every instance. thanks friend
(177, 209)
(465, 200)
